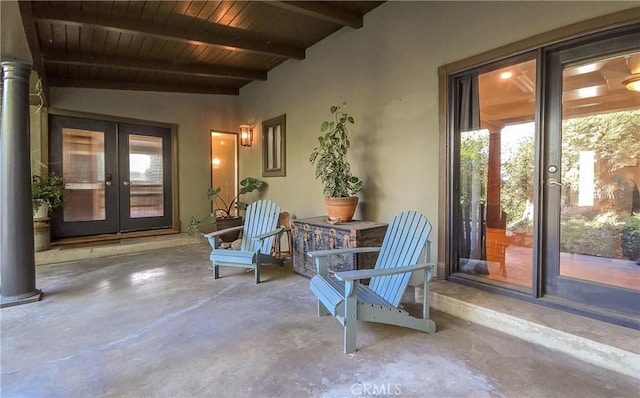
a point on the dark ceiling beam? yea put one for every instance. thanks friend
(154, 66)
(26, 12)
(233, 39)
(323, 11)
(113, 85)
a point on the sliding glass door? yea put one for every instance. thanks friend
(544, 186)
(495, 192)
(592, 174)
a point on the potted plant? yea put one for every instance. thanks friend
(47, 195)
(333, 168)
(226, 214)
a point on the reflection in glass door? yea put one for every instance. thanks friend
(145, 176)
(224, 166)
(83, 154)
(544, 184)
(600, 203)
(144, 161)
(497, 148)
(592, 177)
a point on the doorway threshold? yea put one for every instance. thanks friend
(600, 343)
(116, 247)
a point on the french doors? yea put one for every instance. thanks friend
(117, 176)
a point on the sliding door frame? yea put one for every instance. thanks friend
(447, 172)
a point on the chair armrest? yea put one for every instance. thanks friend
(331, 252)
(372, 273)
(268, 234)
(223, 231)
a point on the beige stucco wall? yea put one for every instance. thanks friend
(387, 72)
(195, 115)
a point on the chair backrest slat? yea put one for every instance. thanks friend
(262, 217)
(403, 242)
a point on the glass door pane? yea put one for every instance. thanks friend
(83, 154)
(496, 166)
(600, 202)
(145, 176)
(591, 176)
(144, 161)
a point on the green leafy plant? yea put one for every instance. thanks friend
(330, 157)
(593, 236)
(48, 191)
(630, 237)
(225, 209)
(633, 222)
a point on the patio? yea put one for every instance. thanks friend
(157, 324)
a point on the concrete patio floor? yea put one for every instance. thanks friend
(156, 324)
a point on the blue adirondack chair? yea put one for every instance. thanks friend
(258, 232)
(342, 296)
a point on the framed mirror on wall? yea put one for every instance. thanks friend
(273, 147)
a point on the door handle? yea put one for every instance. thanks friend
(554, 182)
(125, 183)
(108, 180)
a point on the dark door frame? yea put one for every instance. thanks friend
(569, 36)
(175, 216)
(127, 223)
(555, 285)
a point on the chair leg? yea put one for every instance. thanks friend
(350, 324)
(257, 272)
(216, 274)
(322, 310)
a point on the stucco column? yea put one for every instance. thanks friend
(17, 259)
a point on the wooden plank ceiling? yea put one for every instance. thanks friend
(210, 47)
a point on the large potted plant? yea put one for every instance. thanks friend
(47, 196)
(226, 214)
(333, 169)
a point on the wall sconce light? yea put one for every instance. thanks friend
(633, 82)
(246, 135)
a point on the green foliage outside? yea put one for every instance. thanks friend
(474, 160)
(633, 222)
(615, 140)
(596, 236)
(517, 184)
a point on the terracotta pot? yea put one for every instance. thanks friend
(341, 209)
(223, 223)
